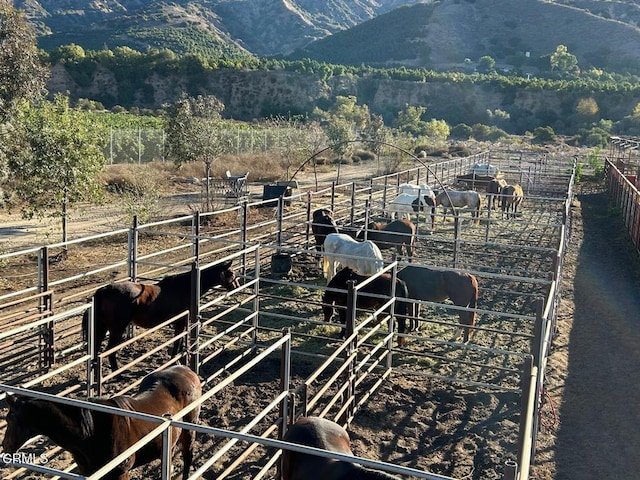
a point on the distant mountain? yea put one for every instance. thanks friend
(452, 33)
(438, 34)
(258, 27)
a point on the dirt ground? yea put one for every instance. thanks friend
(592, 380)
(590, 416)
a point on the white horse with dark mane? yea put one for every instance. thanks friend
(458, 199)
(364, 258)
(412, 199)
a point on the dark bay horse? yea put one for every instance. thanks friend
(381, 285)
(118, 304)
(322, 225)
(399, 234)
(436, 285)
(94, 438)
(323, 433)
(512, 196)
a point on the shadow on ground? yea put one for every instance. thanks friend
(599, 433)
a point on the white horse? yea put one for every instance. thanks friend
(458, 199)
(412, 199)
(364, 258)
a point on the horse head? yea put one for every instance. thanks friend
(228, 278)
(322, 225)
(18, 430)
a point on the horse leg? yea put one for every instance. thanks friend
(116, 336)
(178, 327)
(187, 438)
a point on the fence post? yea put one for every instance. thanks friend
(89, 332)
(45, 305)
(349, 329)
(510, 470)
(243, 234)
(195, 230)
(285, 375)
(333, 196)
(527, 367)
(133, 250)
(456, 238)
(307, 226)
(353, 201)
(193, 321)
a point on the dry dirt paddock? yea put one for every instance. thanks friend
(468, 433)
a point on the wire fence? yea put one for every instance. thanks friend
(144, 145)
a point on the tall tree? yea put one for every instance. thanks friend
(22, 76)
(55, 157)
(564, 62)
(194, 134)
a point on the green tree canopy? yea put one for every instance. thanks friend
(564, 62)
(22, 77)
(193, 130)
(55, 158)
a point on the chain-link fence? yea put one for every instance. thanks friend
(143, 145)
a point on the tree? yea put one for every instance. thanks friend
(55, 158)
(22, 76)
(338, 132)
(192, 129)
(486, 64)
(409, 119)
(193, 133)
(587, 108)
(564, 62)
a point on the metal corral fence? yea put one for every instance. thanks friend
(247, 326)
(624, 194)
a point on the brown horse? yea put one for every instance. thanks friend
(399, 234)
(323, 224)
(94, 438)
(118, 304)
(323, 433)
(494, 189)
(381, 285)
(512, 196)
(436, 285)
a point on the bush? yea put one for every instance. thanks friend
(364, 155)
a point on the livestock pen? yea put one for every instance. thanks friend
(265, 353)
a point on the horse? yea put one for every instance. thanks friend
(94, 438)
(325, 434)
(494, 189)
(118, 304)
(512, 196)
(459, 198)
(407, 203)
(381, 285)
(363, 257)
(399, 234)
(322, 225)
(436, 285)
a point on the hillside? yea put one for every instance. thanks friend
(451, 34)
(259, 27)
(435, 34)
